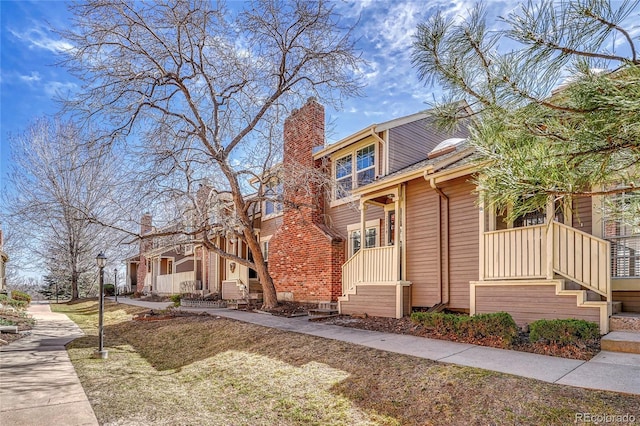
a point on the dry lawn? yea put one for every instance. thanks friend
(203, 370)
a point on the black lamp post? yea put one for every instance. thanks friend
(115, 282)
(101, 260)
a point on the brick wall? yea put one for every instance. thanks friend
(145, 245)
(305, 256)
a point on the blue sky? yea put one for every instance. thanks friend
(30, 79)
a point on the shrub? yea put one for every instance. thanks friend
(109, 289)
(565, 331)
(20, 295)
(136, 295)
(18, 304)
(175, 298)
(482, 326)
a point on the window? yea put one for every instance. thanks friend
(371, 233)
(273, 198)
(343, 176)
(265, 250)
(624, 239)
(355, 170)
(365, 165)
(169, 266)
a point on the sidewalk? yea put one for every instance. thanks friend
(38, 384)
(611, 371)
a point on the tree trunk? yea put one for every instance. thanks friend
(75, 294)
(269, 297)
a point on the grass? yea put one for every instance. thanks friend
(208, 370)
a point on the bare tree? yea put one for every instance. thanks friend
(204, 88)
(58, 181)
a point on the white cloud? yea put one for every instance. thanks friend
(38, 37)
(32, 78)
(54, 88)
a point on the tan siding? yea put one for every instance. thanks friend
(373, 300)
(582, 215)
(269, 226)
(411, 142)
(184, 266)
(347, 214)
(531, 302)
(464, 240)
(421, 250)
(630, 300)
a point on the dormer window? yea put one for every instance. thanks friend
(355, 170)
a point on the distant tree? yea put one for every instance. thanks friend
(58, 181)
(54, 288)
(204, 88)
(581, 141)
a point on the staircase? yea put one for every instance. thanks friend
(624, 335)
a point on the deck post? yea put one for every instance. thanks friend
(363, 226)
(481, 239)
(550, 214)
(396, 238)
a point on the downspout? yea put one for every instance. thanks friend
(444, 283)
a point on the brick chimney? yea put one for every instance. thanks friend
(305, 256)
(303, 131)
(146, 226)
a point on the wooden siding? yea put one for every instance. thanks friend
(421, 250)
(582, 214)
(347, 214)
(527, 303)
(373, 300)
(185, 266)
(630, 300)
(269, 226)
(421, 247)
(464, 236)
(412, 142)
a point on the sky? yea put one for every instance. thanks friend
(30, 77)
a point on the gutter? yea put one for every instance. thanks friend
(443, 272)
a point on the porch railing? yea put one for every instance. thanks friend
(515, 253)
(370, 265)
(170, 283)
(539, 251)
(582, 258)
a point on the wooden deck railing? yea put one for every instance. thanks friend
(582, 258)
(170, 283)
(371, 265)
(539, 251)
(515, 253)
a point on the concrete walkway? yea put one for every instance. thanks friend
(611, 371)
(38, 384)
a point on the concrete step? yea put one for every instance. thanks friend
(625, 321)
(322, 312)
(621, 341)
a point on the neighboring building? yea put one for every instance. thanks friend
(4, 258)
(402, 227)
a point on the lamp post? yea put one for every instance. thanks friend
(115, 282)
(101, 260)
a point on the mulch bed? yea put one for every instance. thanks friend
(24, 326)
(407, 326)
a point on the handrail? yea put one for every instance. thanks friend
(369, 265)
(515, 253)
(582, 258)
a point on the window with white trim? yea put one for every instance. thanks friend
(371, 236)
(355, 170)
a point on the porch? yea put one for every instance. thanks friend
(548, 270)
(373, 277)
